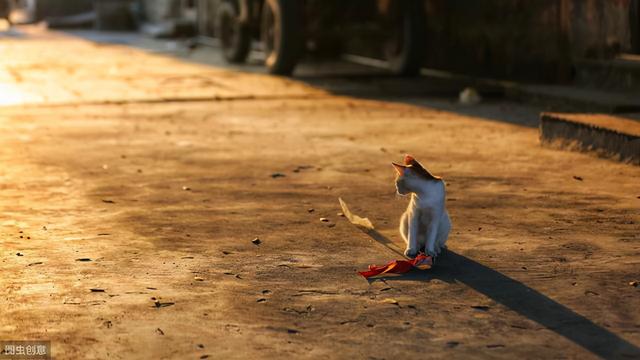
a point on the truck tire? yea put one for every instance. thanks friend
(235, 37)
(404, 50)
(282, 36)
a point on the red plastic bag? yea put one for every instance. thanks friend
(422, 262)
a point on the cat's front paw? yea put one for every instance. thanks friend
(411, 253)
(433, 253)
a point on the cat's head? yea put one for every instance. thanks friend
(411, 174)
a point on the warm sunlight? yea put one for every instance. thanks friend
(319, 179)
(12, 95)
(4, 25)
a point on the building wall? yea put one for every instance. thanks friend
(599, 28)
(523, 39)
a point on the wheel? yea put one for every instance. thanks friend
(405, 44)
(234, 36)
(282, 35)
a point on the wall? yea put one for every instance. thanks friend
(599, 28)
(523, 39)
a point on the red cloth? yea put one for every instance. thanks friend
(421, 261)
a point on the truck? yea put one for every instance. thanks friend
(286, 29)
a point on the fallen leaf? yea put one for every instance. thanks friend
(452, 344)
(256, 241)
(355, 219)
(159, 304)
(391, 301)
(634, 283)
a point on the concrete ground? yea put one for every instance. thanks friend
(146, 177)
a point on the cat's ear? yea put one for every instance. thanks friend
(399, 168)
(409, 160)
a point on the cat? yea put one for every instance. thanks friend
(425, 225)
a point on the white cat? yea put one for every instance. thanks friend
(425, 225)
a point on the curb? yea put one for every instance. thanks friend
(604, 135)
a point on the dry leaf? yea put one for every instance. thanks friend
(355, 219)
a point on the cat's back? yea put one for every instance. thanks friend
(434, 193)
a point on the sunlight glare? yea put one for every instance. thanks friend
(12, 95)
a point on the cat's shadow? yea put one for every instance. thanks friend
(453, 267)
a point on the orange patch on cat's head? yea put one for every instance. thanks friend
(409, 160)
(411, 163)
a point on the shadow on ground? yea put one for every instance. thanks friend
(347, 79)
(453, 267)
